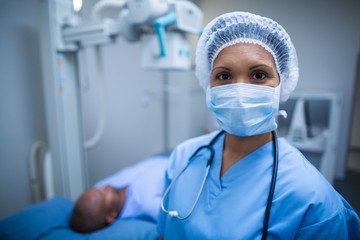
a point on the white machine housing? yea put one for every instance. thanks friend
(178, 53)
(314, 119)
(145, 11)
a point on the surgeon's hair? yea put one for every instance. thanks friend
(88, 215)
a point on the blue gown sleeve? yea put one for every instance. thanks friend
(344, 225)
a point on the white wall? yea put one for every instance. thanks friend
(133, 129)
(22, 119)
(326, 35)
(135, 115)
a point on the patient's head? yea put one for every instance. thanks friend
(97, 208)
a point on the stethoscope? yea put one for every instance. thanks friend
(174, 213)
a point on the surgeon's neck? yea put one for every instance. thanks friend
(236, 148)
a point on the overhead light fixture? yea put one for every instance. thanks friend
(77, 5)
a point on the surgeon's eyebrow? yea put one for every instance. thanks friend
(224, 68)
(259, 65)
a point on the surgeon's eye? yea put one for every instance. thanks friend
(223, 76)
(259, 76)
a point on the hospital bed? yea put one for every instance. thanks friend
(50, 219)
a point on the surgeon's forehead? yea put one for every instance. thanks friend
(246, 48)
(244, 53)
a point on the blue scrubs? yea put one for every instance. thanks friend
(305, 205)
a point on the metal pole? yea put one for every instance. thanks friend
(62, 102)
(166, 110)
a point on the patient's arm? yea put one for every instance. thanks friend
(129, 174)
(145, 184)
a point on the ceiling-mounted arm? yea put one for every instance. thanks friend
(91, 34)
(183, 16)
(103, 4)
(160, 24)
(136, 18)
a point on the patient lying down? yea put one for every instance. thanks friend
(97, 208)
(133, 193)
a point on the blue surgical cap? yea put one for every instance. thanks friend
(242, 27)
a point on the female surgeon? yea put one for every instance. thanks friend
(242, 182)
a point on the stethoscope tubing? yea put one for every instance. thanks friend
(272, 186)
(174, 213)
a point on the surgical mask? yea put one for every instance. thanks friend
(244, 109)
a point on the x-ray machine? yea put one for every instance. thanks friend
(160, 25)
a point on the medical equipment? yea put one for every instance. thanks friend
(313, 118)
(159, 25)
(174, 213)
(63, 34)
